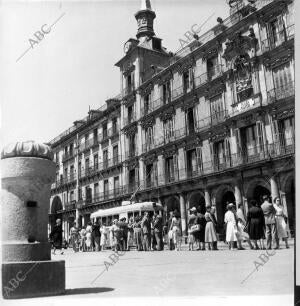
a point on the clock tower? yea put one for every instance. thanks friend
(145, 17)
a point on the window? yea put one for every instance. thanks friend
(115, 154)
(132, 148)
(220, 153)
(287, 131)
(114, 126)
(79, 194)
(169, 130)
(106, 189)
(66, 173)
(88, 194)
(71, 149)
(149, 138)
(192, 162)
(96, 165)
(166, 88)
(96, 190)
(217, 109)
(132, 180)
(149, 175)
(105, 159)
(190, 120)
(277, 32)
(95, 135)
(116, 185)
(104, 130)
(213, 68)
(187, 80)
(170, 171)
(147, 104)
(79, 169)
(87, 165)
(130, 114)
(72, 198)
(72, 172)
(283, 81)
(57, 157)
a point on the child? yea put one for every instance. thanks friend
(191, 240)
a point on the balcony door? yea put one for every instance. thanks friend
(192, 162)
(283, 81)
(106, 189)
(88, 194)
(170, 169)
(190, 120)
(277, 32)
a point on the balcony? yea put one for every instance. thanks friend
(201, 80)
(130, 119)
(278, 39)
(103, 137)
(113, 132)
(110, 162)
(282, 92)
(67, 156)
(153, 105)
(87, 145)
(128, 90)
(219, 117)
(131, 153)
(214, 72)
(70, 206)
(65, 180)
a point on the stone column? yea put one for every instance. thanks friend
(207, 198)
(274, 188)
(183, 214)
(27, 171)
(237, 195)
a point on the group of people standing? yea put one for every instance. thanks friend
(266, 221)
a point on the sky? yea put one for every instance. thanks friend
(71, 68)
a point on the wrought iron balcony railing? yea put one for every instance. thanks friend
(68, 155)
(128, 90)
(278, 38)
(130, 119)
(282, 92)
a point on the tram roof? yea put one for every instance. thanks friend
(143, 206)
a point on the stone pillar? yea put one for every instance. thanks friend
(238, 196)
(274, 188)
(27, 171)
(284, 203)
(207, 198)
(183, 214)
(77, 217)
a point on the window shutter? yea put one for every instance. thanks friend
(227, 151)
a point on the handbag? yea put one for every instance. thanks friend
(195, 228)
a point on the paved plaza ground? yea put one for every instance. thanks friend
(178, 273)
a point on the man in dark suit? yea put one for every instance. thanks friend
(271, 230)
(158, 229)
(146, 228)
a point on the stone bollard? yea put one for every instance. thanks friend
(27, 171)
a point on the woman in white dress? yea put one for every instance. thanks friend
(231, 228)
(280, 221)
(88, 237)
(103, 238)
(176, 229)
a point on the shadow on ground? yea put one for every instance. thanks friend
(87, 290)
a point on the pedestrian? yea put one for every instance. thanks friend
(210, 229)
(82, 234)
(170, 233)
(137, 233)
(103, 236)
(270, 222)
(56, 237)
(176, 230)
(158, 231)
(123, 226)
(191, 240)
(115, 235)
(146, 227)
(88, 236)
(255, 225)
(74, 234)
(152, 235)
(197, 224)
(96, 235)
(280, 219)
(231, 227)
(130, 233)
(241, 223)
(212, 213)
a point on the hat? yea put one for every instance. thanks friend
(230, 205)
(193, 209)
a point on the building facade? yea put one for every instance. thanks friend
(210, 124)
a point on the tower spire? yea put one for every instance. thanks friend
(145, 17)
